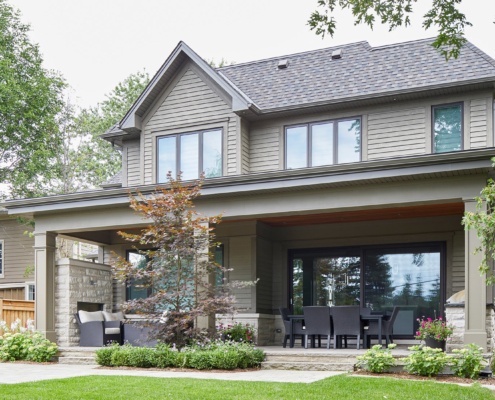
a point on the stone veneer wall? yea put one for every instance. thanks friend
(78, 281)
(263, 323)
(454, 314)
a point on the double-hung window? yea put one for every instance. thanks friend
(323, 143)
(190, 153)
(1, 258)
(447, 129)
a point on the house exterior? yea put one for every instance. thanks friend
(342, 175)
(16, 259)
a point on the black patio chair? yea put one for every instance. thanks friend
(98, 333)
(318, 323)
(387, 329)
(288, 325)
(346, 322)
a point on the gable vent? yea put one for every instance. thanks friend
(283, 64)
(336, 54)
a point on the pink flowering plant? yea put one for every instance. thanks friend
(437, 329)
(237, 332)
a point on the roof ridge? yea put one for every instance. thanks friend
(480, 52)
(385, 46)
(362, 42)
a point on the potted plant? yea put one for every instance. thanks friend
(434, 332)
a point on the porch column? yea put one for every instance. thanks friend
(207, 321)
(476, 289)
(44, 253)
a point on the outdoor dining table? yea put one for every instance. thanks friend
(368, 317)
(375, 317)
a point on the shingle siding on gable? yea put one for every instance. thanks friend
(397, 133)
(188, 106)
(478, 123)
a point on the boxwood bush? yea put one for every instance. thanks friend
(215, 355)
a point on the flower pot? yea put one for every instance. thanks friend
(435, 344)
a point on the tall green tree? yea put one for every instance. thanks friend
(443, 14)
(80, 159)
(30, 100)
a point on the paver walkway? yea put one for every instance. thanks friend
(19, 372)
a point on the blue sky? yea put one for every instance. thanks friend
(97, 43)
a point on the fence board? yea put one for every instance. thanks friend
(10, 310)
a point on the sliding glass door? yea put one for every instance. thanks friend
(378, 277)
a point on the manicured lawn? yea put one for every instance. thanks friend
(339, 387)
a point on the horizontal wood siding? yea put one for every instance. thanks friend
(191, 103)
(458, 264)
(240, 261)
(133, 163)
(478, 123)
(232, 147)
(264, 272)
(18, 251)
(397, 133)
(264, 148)
(244, 147)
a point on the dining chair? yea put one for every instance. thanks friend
(346, 322)
(292, 328)
(318, 323)
(387, 328)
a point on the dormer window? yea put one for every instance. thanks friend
(447, 127)
(191, 153)
(323, 143)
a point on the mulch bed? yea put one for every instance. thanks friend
(439, 378)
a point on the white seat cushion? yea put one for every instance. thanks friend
(112, 331)
(89, 316)
(118, 316)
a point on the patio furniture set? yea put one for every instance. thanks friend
(99, 328)
(338, 323)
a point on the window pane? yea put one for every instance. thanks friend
(297, 147)
(349, 141)
(447, 127)
(133, 290)
(166, 157)
(322, 144)
(212, 153)
(404, 278)
(189, 156)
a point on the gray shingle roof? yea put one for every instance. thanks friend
(313, 77)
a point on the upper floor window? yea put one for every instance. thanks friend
(447, 127)
(323, 143)
(1, 258)
(191, 153)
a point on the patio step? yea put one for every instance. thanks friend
(77, 355)
(309, 361)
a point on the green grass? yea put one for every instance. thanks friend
(340, 387)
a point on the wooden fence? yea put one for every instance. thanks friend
(10, 310)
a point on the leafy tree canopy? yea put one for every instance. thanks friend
(30, 100)
(443, 14)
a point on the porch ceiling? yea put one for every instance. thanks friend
(418, 211)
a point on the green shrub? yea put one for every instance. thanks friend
(104, 355)
(163, 357)
(469, 361)
(377, 359)
(425, 361)
(219, 355)
(19, 343)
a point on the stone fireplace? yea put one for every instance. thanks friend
(79, 285)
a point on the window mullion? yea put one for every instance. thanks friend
(309, 139)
